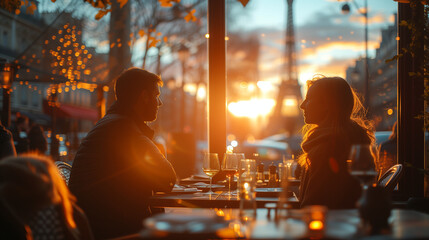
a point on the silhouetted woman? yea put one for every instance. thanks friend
(334, 121)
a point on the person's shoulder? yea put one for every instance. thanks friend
(110, 125)
(112, 122)
(358, 134)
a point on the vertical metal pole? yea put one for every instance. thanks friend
(217, 77)
(410, 105)
(101, 101)
(54, 141)
(367, 95)
(182, 99)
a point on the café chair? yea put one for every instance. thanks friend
(390, 178)
(64, 169)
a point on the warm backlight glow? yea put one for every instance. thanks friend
(315, 225)
(252, 108)
(265, 86)
(201, 94)
(220, 212)
(290, 102)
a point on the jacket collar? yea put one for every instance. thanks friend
(120, 109)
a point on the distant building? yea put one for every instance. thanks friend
(17, 33)
(45, 57)
(382, 80)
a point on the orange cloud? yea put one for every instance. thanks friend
(374, 19)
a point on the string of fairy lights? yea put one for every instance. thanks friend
(67, 59)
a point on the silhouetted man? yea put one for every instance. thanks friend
(118, 167)
(19, 132)
(7, 147)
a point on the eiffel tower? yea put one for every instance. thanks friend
(287, 115)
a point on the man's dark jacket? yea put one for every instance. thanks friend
(115, 171)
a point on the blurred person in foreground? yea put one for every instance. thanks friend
(334, 119)
(117, 166)
(35, 202)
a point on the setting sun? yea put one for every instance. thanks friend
(251, 108)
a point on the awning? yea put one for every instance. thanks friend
(71, 111)
(36, 116)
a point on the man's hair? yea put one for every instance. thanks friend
(132, 82)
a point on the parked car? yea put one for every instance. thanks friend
(294, 142)
(265, 151)
(381, 136)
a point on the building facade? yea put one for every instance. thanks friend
(382, 102)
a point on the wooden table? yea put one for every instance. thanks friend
(340, 224)
(220, 199)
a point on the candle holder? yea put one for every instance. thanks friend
(315, 220)
(374, 210)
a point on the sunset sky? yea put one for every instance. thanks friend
(327, 41)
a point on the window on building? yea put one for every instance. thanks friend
(23, 95)
(5, 38)
(35, 99)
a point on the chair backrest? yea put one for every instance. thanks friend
(64, 169)
(390, 178)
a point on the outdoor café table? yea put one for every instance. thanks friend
(191, 180)
(220, 199)
(339, 224)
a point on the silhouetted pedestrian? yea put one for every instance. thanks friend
(37, 140)
(7, 147)
(19, 132)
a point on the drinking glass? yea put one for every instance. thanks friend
(361, 163)
(230, 167)
(240, 156)
(246, 186)
(211, 167)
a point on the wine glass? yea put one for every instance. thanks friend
(240, 156)
(230, 167)
(361, 164)
(211, 167)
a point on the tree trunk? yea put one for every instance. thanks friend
(119, 55)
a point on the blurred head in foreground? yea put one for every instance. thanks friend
(29, 184)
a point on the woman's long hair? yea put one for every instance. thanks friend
(345, 110)
(31, 182)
